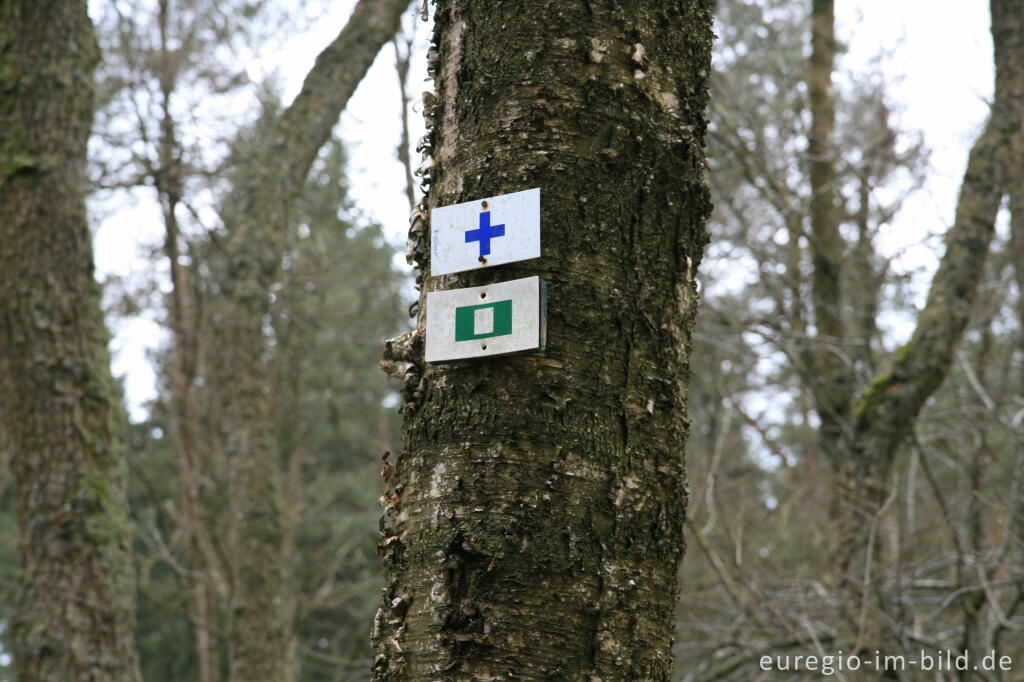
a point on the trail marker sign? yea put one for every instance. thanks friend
(479, 234)
(495, 319)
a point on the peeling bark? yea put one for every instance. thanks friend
(534, 517)
(74, 619)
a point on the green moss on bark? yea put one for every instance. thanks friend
(60, 410)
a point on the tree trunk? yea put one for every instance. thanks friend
(885, 411)
(535, 510)
(831, 375)
(1016, 201)
(257, 216)
(74, 618)
(199, 556)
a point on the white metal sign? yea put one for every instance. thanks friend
(495, 319)
(491, 231)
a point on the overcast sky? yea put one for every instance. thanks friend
(939, 70)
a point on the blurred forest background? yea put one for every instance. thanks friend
(172, 88)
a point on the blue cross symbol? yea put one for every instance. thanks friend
(485, 233)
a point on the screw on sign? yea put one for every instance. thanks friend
(510, 319)
(484, 233)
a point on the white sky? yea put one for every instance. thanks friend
(371, 128)
(939, 70)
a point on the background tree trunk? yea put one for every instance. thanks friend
(831, 382)
(257, 216)
(74, 620)
(199, 556)
(884, 414)
(535, 511)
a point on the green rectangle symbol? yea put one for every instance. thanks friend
(471, 320)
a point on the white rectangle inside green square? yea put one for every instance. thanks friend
(506, 317)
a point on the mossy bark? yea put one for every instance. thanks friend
(74, 618)
(884, 414)
(534, 517)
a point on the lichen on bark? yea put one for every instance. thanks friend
(74, 615)
(533, 521)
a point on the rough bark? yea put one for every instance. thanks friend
(885, 411)
(74, 616)
(256, 217)
(534, 517)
